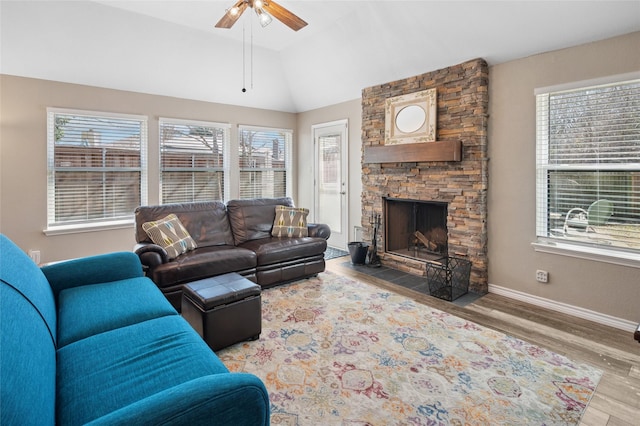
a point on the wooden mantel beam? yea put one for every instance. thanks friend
(414, 152)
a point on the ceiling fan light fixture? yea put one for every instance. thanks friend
(235, 10)
(264, 18)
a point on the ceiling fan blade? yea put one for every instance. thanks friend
(283, 15)
(228, 19)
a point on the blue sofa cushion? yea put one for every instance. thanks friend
(108, 306)
(111, 370)
(236, 399)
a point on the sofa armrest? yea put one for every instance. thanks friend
(151, 255)
(225, 399)
(319, 230)
(92, 270)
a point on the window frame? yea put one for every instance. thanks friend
(545, 242)
(226, 127)
(288, 155)
(65, 227)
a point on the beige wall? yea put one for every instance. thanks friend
(596, 286)
(352, 112)
(23, 154)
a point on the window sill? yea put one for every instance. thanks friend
(86, 227)
(616, 257)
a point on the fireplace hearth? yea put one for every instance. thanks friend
(416, 229)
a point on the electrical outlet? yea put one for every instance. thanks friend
(35, 256)
(542, 276)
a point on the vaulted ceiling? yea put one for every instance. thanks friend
(172, 47)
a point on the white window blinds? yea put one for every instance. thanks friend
(96, 167)
(264, 162)
(588, 165)
(192, 156)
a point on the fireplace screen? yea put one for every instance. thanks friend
(416, 229)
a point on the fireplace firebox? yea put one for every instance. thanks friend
(416, 229)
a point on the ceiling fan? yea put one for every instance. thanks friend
(264, 9)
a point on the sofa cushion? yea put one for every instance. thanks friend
(170, 234)
(276, 250)
(201, 263)
(253, 219)
(238, 399)
(290, 222)
(206, 221)
(111, 370)
(108, 306)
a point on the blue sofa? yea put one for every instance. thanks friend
(92, 341)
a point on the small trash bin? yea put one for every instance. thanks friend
(358, 251)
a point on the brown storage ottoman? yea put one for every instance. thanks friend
(224, 310)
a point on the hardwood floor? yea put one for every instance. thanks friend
(616, 401)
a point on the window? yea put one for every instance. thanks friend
(96, 168)
(264, 162)
(588, 167)
(192, 160)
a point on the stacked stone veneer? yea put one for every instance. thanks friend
(462, 110)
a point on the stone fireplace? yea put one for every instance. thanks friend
(444, 199)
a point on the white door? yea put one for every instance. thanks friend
(331, 184)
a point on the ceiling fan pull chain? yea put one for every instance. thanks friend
(244, 86)
(251, 26)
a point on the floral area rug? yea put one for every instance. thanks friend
(334, 351)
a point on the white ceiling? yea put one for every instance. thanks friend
(172, 47)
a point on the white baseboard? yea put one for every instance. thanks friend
(576, 311)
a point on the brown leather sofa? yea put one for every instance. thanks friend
(232, 237)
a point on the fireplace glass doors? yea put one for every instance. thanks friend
(416, 229)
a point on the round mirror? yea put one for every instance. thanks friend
(410, 119)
